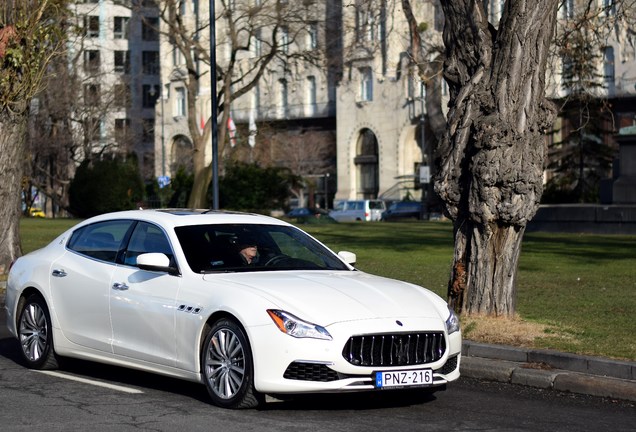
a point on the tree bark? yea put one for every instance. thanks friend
(12, 133)
(492, 155)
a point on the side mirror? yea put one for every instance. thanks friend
(348, 257)
(156, 262)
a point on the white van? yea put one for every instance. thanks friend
(358, 210)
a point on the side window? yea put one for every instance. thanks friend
(147, 238)
(101, 240)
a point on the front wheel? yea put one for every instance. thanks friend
(227, 366)
(36, 334)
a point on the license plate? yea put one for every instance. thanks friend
(408, 378)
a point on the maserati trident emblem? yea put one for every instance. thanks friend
(401, 351)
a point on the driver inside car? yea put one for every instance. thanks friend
(247, 249)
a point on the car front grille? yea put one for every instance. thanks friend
(397, 349)
(310, 372)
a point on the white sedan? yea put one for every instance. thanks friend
(173, 292)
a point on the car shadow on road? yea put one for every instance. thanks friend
(9, 349)
(354, 401)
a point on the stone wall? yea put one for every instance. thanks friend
(585, 218)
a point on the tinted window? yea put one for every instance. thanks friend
(101, 240)
(147, 238)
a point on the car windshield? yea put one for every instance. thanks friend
(251, 247)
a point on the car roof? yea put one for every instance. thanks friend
(184, 217)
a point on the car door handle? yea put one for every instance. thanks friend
(58, 273)
(120, 286)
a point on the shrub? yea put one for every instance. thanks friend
(102, 186)
(248, 187)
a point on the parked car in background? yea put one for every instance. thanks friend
(36, 212)
(166, 291)
(301, 212)
(403, 210)
(358, 210)
(309, 215)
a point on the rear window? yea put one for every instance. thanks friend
(102, 240)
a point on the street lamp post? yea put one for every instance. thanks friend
(213, 102)
(163, 138)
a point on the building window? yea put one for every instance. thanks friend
(92, 128)
(312, 36)
(177, 56)
(180, 102)
(311, 95)
(609, 7)
(283, 102)
(366, 84)
(150, 29)
(366, 162)
(91, 61)
(256, 98)
(122, 61)
(608, 65)
(567, 72)
(148, 131)
(120, 27)
(284, 39)
(122, 130)
(91, 95)
(445, 91)
(150, 62)
(438, 17)
(368, 26)
(567, 9)
(121, 95)
(91, 26)
(258, 43)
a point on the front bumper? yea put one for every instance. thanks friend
(284, 364)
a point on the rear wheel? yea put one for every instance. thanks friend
(227, 366)
(36, 334)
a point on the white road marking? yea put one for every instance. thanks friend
(91, 382)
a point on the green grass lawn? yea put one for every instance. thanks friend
(581, 287)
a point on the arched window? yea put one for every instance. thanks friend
(182, 150)
(366, 162)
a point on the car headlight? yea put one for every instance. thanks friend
(452, 322)
(294, 326)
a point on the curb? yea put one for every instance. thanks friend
(552, 370)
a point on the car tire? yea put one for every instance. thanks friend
(35, 334)
(228, 368)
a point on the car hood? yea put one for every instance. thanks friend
(326, 297)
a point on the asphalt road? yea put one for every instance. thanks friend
(86, 396)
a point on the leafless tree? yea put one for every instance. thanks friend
(491, 156)
(256, 38)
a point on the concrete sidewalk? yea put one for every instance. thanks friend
(544, 369)
(548, 369)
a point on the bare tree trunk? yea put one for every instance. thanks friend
(12, 133)
(491, 156)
